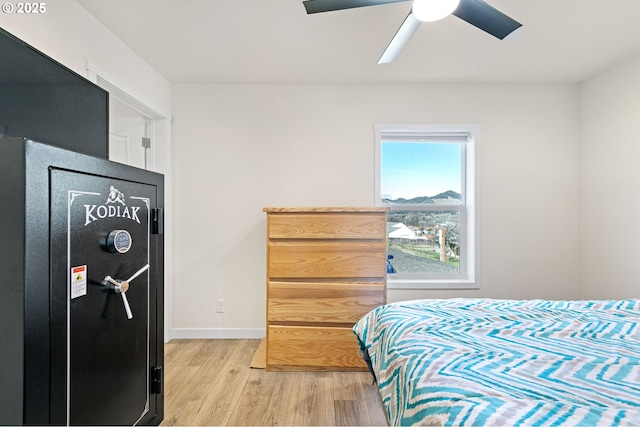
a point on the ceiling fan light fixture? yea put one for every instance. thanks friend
(433, 10)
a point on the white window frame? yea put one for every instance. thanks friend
(469, 267)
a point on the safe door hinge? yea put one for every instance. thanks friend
(157, 221)
(146, 142)
(156, 380)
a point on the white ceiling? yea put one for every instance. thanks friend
(275, 41)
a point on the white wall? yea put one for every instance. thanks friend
(609, 198)
(70, 35)
(238, 148)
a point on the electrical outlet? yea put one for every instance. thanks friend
(220, 306)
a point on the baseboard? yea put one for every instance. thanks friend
(203, 333)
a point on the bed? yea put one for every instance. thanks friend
(487, 362)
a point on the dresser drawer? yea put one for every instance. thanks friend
(322, 302)
(324, 226)
(327, 259)
(318, 348)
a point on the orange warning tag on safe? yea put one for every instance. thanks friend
(78, 281)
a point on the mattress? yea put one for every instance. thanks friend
(486, 362)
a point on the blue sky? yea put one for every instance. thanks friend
(412, 169)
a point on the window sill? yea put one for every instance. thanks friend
(431, 284)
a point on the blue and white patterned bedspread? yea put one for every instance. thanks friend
(490, 362)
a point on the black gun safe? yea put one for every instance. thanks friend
(81, 278)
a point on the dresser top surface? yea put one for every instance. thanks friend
(329, 209)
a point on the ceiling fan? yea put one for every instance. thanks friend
(475, 12)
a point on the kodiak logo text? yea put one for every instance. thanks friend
(114, 207)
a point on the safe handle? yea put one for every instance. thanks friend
(122, 287)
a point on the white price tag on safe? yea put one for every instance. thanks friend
(78, 281)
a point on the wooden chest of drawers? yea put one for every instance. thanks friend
(326, 268)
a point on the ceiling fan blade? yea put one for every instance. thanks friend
(316, 6)
(485, 17)
(404, 33)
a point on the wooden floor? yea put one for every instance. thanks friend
(209, 382)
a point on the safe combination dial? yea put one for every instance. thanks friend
(121, 287)
(119, 241)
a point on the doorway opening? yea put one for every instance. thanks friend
(131, 118)
(129, 134)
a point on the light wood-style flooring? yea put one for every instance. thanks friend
(209, 382)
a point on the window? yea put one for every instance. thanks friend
(425, 175)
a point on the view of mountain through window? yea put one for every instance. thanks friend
(422, 182)
(421, 172)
